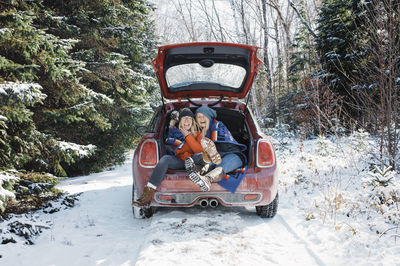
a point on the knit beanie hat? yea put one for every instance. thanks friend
(185, 112)
(207, 111)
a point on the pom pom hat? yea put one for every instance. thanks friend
(185, 112)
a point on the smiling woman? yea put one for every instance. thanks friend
(182, 141)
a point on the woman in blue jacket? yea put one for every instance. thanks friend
(231, 152)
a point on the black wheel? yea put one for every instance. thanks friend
(140, 213)
(148, 212)
(270, 210)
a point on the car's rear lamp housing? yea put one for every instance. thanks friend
(165, 197)
(265, 156)
(148, 155)
(251, 197)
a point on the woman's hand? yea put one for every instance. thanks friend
(184, 131)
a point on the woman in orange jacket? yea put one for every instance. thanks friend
(183, 142)
(191, 134)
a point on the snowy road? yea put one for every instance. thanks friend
(223, 237)
(100, 230)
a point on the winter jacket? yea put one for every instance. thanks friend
(174, 140)
(180, 146)
(191, 146)
(224, 140)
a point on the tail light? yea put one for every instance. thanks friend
(148, 155)
(265, 154)
(251, 196)
(165, 197)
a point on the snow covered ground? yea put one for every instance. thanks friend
(321, 220)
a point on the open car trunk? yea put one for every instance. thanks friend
(206, 69)
(234, 121)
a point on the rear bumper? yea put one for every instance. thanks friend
(224, 198)
(177, 190)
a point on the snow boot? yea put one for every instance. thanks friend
(211, 151)
(204, 182)
(205, 157)
(191, 169)
(145, 199)
(216, 175)
(200, 180)
(190, 166)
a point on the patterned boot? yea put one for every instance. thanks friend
(202, 181)
(211, 151)
(190, 166)
(216, 175)
(205, 157)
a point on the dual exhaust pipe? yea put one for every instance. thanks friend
(208, 202)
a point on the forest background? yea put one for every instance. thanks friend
(76, 77)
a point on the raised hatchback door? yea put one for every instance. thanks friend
(197, 70)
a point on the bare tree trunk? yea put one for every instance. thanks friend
(279, 56)
(203, 5)
(243, 21)
(188, 25)
(233, 7)
(286, 24)
(219, 23)
(272, 95)
(266, 45)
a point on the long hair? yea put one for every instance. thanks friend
(205, 129)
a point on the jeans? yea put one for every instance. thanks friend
(230, 161)
(166, 162)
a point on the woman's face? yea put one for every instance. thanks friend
(202, 120)
(186, 122)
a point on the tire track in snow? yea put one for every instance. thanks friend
(304, 242)
(222, 236)
(101, 230)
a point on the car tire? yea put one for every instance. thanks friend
(270, 210)
(140, 213)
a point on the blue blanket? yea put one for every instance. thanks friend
(233, 179)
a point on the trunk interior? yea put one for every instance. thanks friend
(233, 119)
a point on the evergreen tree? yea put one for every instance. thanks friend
(90, 60)
(359, 43)
(30, 60)
(336, 37)
(116, 42)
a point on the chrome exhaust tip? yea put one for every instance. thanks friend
(203, 203)
(213, 203)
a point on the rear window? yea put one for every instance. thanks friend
(226, 75)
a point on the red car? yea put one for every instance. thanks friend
(218, 75)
